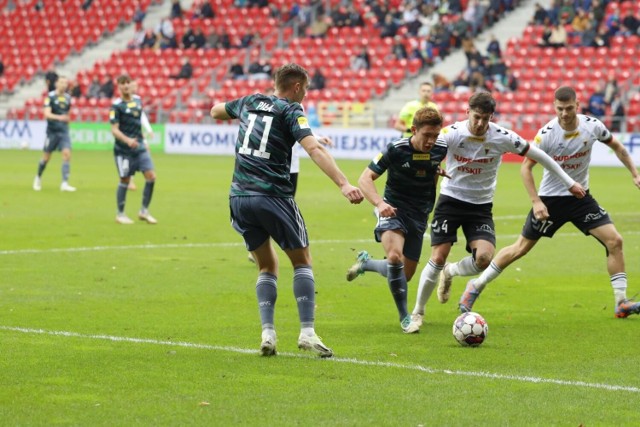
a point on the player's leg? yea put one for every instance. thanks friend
(66, 164)
(608, 235)
(146, 166)
(123, 165)
(42, 164)
(393, 244)
(429, 276)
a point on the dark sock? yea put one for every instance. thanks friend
(304, 291)
(147, 193)
(267, 293)
(398, 286)
(121, 196)
(41, 165)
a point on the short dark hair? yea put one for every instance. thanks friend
(483, 102)
(288, 75)
(427, 116)
(426, 84)
(123, 78)
(565, 94)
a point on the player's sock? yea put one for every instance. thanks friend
(465, 267)
(378, 265)
(41, 166)
(488, 275)
(398, 287)
(147, 193)
(65, 171)
(121, 196)
(267, 293)
(619, 285)
(304, 291)
(428, 280)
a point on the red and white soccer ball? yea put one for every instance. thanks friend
(470, 329)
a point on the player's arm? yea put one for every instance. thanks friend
(625, 158)
(526, 172)
(49, 115)
(368, 187)
(539, 156)
(321, 157)
(219, 112)
(115, 130)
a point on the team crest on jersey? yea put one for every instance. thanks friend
(303, 122)
(112, 115)
(421, 173)
(422, 156)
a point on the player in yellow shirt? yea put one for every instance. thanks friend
(405, 118)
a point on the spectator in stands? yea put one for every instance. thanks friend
(150, 39)
(200, 40)
(137, 40)
(539, 15)
(176, 9)
(361, 61)
(138, 16)
(405, 117)
(567, 12)
(186, 70)
(474, 16)
(236, 71)
(258, 3)
(86, 4)
(397, 49)
(617, 113)
(427, 18)
(318, 80)
(554, 36)
(441, 83)
(248, 39)
(225, 40)
(168, 43)
(319, 27)
(588, 36)
(410, 18)
(107, 88)
(494, 47)
(496, 68)
(94, 88)
(206, 10)
(597, 106)
(339, 16)
(74, 89)
(388, 28)
(507, 82)
(188, 38)
(630, 22)
(1, 66)
(611, 89)
(612, 22)
(602, 38)
(580, 22)
(475, 57)
(165, 28)
(39, 5)
(212, 40)
(260, 70)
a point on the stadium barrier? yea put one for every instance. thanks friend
(220, 140)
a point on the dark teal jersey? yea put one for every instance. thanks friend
(269, 126)
(411, 179)
(59, 104)
(127, 114)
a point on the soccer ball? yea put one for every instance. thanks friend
(470, 329)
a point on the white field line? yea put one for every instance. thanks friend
(224, 245)
(425, 369)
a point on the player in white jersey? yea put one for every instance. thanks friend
(568, 139)
(475, 149)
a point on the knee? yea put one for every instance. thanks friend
(614, 243)
(394, 257)
(483, 260)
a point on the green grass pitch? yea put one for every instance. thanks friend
(102, 324)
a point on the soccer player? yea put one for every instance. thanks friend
(409, 196)
(261, 196)
(568, 139)
(474, 153)
(147, 132)
(56, 110)
(405, 117)
(129, 150)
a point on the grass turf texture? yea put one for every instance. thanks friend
(188, 280)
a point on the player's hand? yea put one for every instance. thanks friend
(354, 194)
(636, 181)
(443, 172)
(326, 141)
(133, 143)
(386, 210)
(64, 118)
(540, 211)
(577, 190)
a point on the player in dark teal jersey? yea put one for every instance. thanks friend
(56, 110)
(261, 197)
(130, 152)
(413, 166)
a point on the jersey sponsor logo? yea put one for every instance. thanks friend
(445, 131)
(538, 139)
(572, 156)
(131, 104)
(303, 123)
(476, 138)
(61, 99)
(422, 156)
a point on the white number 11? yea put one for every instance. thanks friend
(260, 152)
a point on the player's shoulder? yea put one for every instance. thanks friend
(116, 102)
(453, 129)
(51, 94)
(136, 98)
(548, 129)
(588, 121)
